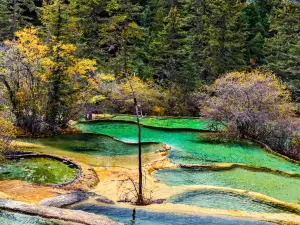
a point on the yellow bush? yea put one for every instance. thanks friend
(7, 132)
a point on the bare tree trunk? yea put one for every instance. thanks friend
(140, 200)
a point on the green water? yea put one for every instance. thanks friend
(277, 186)
(224, 200)
(37, 170)
(189, 147)
(93, 144)
(167, 122)
(9, 218)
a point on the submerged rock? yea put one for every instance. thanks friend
(158, 201)
(104, 199)
(66, 199)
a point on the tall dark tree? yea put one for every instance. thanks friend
(225, 38)
(168, 50)
(56, 19)
(283, 48)
(14, 15)
(109, 31)
(195, 22)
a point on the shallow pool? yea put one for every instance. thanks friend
(191, 147)
(224, 200)
(166, 122)
(93, 144)
(277, 186)
(39, 170)
(145, 217)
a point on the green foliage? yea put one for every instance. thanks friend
(44, 83)
(283, 49)
(15, 15)
(178, 45)
(168, 50)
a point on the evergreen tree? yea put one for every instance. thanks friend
(283, 48)
(168, 50)
(225, 38)
(65, 79)
(256, 32)
(14, 15)
(194, 19)
(109, 31)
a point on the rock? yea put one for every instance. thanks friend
(104, 199)
(66, 199)
(158, 201)
(63, 215)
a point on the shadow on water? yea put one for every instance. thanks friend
(145, 217)
(132, 221)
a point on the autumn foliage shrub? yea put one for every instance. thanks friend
(115, 95)
(46, 84)
(255, 105)
(7, 132)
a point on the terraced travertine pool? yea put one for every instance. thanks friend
(224, 200)
(97, 147)
(189, 147)
(146, 217)
(92, 144)
(166, 122)
(39, 170)
(278, 186)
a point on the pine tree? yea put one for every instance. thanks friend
(168, 50)
(256, 31)
(283, 49)
(14, 15)
(225, 38)
(109, 32)
(194, 19)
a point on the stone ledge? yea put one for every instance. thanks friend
(48, 212)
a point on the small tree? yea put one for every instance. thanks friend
(116, 95)
(131, 94)
(255, 105)
(39, 87)
(247, 100)
(7, 132)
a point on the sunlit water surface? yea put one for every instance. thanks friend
(277, 186)
(145, 217)
(224, 200)
(190, 147)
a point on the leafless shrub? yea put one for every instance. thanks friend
(128, 190)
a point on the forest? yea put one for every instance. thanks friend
(187, 107)
(61, 60)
